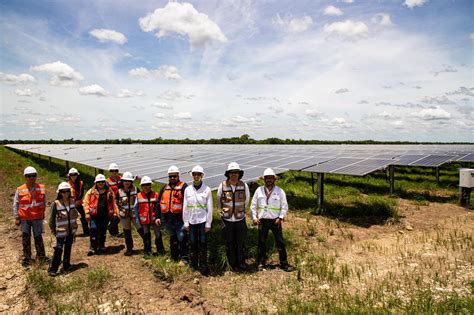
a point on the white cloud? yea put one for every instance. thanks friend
(414, 3)
(183, 115)
(339, 122)
(332, 10)
(27, 92)
(342, 91)
(124, 93)
(462, 91)
(436, 113)
(382, 19)
(169, 72)
(106, 35)
(437, 100)
(471, 36)
(159, 115)
(347, 28)
(15, 79)
(346, 1)
(293, 25)
(139, 72)
(313, 113)
(162, 105)
(241, 121)
(183, 19)
(62, 74)
(276, 109)
(93, 89)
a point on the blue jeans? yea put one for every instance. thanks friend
(28, 225)
(175, 229)
(197, 233)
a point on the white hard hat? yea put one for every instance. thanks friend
(113, 166)
(99, 178)
(63, 186)
(173, 169)
(29, 170)
(233, 166)
(197, 169)
(127, 176)
(268, 172)
(145, 180)
(73, 171)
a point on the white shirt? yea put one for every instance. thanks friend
(271, 207)
(247, 198)
(197, 205)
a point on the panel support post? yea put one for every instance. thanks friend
(437, 175)
(49, 161)
(320, 189)
(67, 166)
(95, 172)
(391, 174)
(312, 182)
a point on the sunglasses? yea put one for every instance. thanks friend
(233, 172)
(30, 175)
(146, 185)
(172, 176)
(64, 191)
(113, 171)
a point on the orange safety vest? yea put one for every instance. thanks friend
(172, 199)
(114, 184)
(146, 207)
(73, 191)
(31, 207)
(93, 202)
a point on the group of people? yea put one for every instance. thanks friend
(186, 211)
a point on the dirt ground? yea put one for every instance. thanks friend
(134, 288)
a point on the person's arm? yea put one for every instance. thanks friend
(52, 218)
(247, 195)
(253, 205)
(185, 211)
(15, 205)
(135, 212)
(158, 204)
(284, 205)
(114, 203)
(219, 195)
(85, 204)
(210, 208)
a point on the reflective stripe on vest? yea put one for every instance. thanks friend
(114, 184)
(126, 202)
(73, 190)
(94, 202)
(66, 221)
(233, 202)
(172, 199)
(31, 208)
(146, 207)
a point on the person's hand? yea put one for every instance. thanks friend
(207, 229)
(277, 221)
(88, 217)
(186, 228)
(256, 222)
(17, 221)
(158, 222)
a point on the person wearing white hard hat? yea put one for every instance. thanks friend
(113, 181)
(77, 192)
(197, 217)
(100, 207)
(269, 207)
(63, 225)
(145, 205)
(170, 213)
(29, 205)
(126, 198)
(233, 196)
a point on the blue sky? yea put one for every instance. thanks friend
(333, 69)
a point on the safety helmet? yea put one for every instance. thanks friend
(127, 176)
(99, 178)
(73, 171)
(29, 170)
(173, 169)
(145, 180)
(233, 166)
(197, 169)
(113, 166)
(268, 172)
(63, 186)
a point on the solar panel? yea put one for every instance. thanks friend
(433, 160)
(363, 167)
(305, 163)
(467, 158)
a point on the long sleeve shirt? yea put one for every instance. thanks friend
(247, 199)
(16, 202)
(197, 205)
(269, 205)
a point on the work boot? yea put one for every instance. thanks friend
(113, 227)
(203, 266)
(94, 244)
(183, 249)
(85, 227)
(67, 255)
(39, 246)
(26, 242)
(128, 242)
(287, 267)
(174, 249)
(194, 255)
(55, 262)
(147, 244)
(160, 248)
(101, 243)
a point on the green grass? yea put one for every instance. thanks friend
(97, 277)
(166, 269)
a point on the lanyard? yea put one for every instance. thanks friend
(268, 193)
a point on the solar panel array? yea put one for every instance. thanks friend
(154, 160)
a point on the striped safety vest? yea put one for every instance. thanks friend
(31, 207)
(74, 194)
(172, 199)
(146, 207)
(91, 202)
(66, 221)
(113, 184)
(233, 202)
(126, 203)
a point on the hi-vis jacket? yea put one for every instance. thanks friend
(28, 206)
(171, 198)
(114, 183)
(232, 200)
(271, 206)
(91, 202)
(77, 195)
(63, 220)
(197, 205)
(126, 202)
(145, 208)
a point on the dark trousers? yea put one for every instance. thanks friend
(234, 235)
(114, 226)
(263, 228)
(66, 243)
(85, 225)
(197, 236)
(178, 239)
(98, 231)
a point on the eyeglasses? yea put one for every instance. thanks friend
(143, 185)
(113, 171)
(73, 174)
(64, 191)
(172, 176)
(30, 175)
